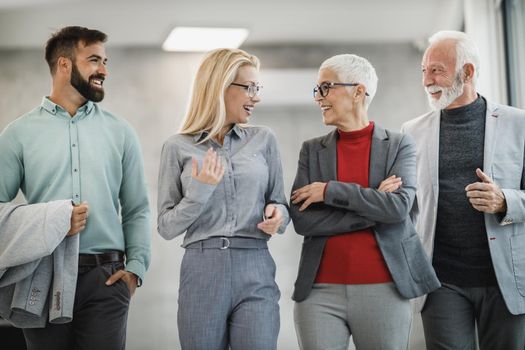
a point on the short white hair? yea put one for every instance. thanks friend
(466, 49)
(354, 69)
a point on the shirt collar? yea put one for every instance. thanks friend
(48, 105)
(53, 108)
(88, 107)
(237, 130)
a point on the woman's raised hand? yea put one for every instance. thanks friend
(212, 168)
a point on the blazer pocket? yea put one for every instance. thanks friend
(517, 246)
(507, 173)
(416, 258)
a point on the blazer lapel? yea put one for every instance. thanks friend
(328, 157)
(432, 150)
(491, 123)
(378, 157)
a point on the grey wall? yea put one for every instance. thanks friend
(150, 89)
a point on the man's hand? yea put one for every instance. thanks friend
(129, 277)
(312, 193)
(212, 169)
(486, 196)
(79, 217)
(390, 184)
(273, 220)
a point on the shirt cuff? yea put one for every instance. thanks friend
(286, 217)
(510, 216)
(136, 267)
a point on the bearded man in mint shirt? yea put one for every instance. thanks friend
(70, 149)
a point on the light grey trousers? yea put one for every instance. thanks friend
(375, 315)
(451, 314)
(228, 298)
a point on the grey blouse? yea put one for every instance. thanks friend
(252, 179)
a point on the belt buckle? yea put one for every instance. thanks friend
(225, 243)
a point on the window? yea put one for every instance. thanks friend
(514, 21)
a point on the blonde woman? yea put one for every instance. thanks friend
(221, 184)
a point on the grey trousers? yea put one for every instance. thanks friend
(375, 315)
(228, 298)
(99, 316)
(451, 314)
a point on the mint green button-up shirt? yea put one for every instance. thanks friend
(93, 156)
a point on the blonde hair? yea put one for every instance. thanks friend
(207, 110)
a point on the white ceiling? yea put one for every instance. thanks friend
(28, 23)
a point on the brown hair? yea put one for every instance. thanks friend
(64, 42)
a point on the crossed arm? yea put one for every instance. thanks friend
(312, 216)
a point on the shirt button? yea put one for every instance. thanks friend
(72, 122)
(75, 170)
(76, 195)
(74, 145)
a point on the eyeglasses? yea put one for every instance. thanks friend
(324, 88)
(252, 89)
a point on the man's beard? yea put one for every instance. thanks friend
(448, 95)
(83, 86)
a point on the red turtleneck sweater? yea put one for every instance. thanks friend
(353, 257)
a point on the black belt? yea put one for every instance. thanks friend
(100, 259)
(229, 243)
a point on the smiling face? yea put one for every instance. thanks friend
(89, 71)
(239, 105)
(338, 105)
(442, 82)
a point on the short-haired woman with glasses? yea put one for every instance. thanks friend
(221, 184)
(362, 259)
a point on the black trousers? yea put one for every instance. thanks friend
(451, 315)
(99, 316)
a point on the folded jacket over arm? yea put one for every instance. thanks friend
(37, 260)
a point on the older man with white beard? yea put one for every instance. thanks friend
(470, 204)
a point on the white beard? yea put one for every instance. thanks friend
(448, 95)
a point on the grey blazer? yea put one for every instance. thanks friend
(503, 161)
(350, 207)
(38, 266)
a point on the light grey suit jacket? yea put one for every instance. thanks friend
(504, 162)
(38, 266)
(350, 207)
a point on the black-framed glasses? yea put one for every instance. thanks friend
(252, 89)
(324, 88)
